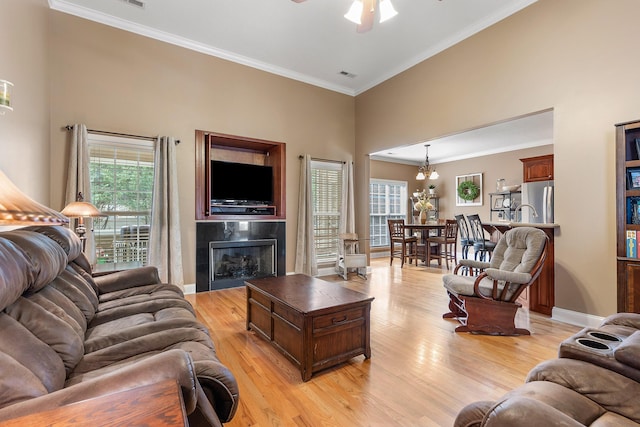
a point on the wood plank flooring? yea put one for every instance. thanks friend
(421, 372)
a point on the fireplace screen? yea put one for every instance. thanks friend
(240, 260)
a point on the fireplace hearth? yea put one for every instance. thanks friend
(228, 253)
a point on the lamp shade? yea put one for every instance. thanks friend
(355, 12)
(80, 209)
(16, 208)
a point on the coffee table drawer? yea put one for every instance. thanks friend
(339, 320)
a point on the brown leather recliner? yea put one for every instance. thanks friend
(66, 336)
(594, 382)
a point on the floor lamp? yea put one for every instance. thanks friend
(81, 210)
(16, 208)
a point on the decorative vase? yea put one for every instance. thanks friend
(423, 217)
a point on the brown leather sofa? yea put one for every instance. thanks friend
(594, 382)
(67, 336)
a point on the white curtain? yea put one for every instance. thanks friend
(165, 245)
(347, 204)
(78, 181)
(305, 247)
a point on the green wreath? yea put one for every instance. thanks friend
(468, 191)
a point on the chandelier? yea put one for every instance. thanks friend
(362, 13)
(425, 171)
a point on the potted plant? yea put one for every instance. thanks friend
(432, 189)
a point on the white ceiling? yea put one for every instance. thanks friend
(312, 42)
(525, 132)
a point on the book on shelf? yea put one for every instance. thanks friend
(632, 244)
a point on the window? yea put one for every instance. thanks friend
(387, 200)
(326, 187)
(121, 175)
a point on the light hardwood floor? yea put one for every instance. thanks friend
(421, 372)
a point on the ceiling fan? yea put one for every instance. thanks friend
(362, 12)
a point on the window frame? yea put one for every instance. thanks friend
(327, 246)
(378, 229)
(122, 249)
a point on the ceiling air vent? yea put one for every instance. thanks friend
(138, 3)
(347, 74)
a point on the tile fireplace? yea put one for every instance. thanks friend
(230, 252)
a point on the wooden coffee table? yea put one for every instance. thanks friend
(316, 324)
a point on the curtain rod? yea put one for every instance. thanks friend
(323, 160)
(104, 132)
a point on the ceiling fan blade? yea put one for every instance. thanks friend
(298, 1)
(368, 13)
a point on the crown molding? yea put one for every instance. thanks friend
(122, 24)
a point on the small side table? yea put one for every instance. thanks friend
(158, 405)
(350, 257)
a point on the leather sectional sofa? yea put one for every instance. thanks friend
(67, 336)
(594, 382)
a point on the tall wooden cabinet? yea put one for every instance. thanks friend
(628, 215)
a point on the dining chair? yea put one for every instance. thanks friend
(482, 247)
(446, 245)
(466, 240)
(402, 246)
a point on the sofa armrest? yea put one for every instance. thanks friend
(124, 279)
(172, 364)
(525, 412)
(631, 320)
(612, 391)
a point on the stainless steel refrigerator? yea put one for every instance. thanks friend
(540, 196)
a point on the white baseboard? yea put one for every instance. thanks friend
(575, 318)
(190, 289)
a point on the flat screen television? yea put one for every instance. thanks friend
(241, 183)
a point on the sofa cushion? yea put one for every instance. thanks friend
(53, 328)
(47, 259)
(15, 272)
(112, 311)
(64, 237)
(73, 286)
(518, 250)
(17, 383)
(140, 347)
(134, 326)
(42, 362)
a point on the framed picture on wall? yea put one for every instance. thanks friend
(469, 190)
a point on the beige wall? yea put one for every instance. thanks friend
(572, 56)
(24, 132)
(117, 81)
(504, 165)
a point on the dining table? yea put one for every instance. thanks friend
(424, 231)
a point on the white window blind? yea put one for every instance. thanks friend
(387, 200)
(121, 175)
(326, 183)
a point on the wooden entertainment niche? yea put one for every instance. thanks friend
(238, 149)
